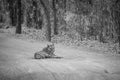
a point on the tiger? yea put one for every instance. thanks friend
(46, 52)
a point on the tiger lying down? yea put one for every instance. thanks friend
(47, 52)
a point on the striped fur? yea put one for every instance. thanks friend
(47, 52)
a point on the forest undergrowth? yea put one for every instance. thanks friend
(88, 24)
(32, 35)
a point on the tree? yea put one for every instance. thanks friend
(13, 11)
(55, 17)
(18, 28)
(37, 17)
(117, 10)
(45, 4)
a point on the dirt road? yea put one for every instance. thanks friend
(17, 63)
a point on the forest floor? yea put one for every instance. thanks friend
(17, 62)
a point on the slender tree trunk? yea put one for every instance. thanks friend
(47, 14)
(18, 28)
(55, 17)
(13, 14)
(35, 13)
(119, 40)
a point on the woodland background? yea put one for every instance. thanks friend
(93, 24)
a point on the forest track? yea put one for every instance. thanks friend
(17, 63)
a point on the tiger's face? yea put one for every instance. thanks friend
(51, 47)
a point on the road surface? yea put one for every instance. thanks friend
(17, 63)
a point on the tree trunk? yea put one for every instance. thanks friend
(35, 14)
(55, 17)
(13, 14)
(47, 14)
(18, 28)
(119, 36)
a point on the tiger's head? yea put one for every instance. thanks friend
(51, 47)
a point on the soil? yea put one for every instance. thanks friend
(17, 62)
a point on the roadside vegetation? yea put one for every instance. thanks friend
(92, 24)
